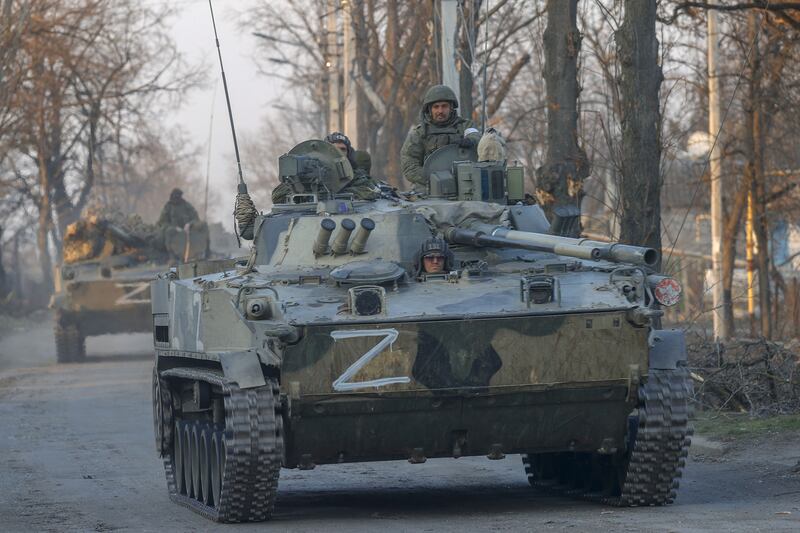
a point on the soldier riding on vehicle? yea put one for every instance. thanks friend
(178, 222)
(361, 186)
(440, 126)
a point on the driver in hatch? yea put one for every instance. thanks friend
(434, 257)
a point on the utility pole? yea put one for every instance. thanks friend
(448, 35)
(333, 63)
(715, 167)
(350, 89)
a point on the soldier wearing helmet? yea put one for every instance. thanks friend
(342, 142)
(434, 257)
(360, 160)
(179, 220)
(440, 126)
(362, 186)
(177, 212)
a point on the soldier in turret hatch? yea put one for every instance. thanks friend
(433, 257)
(440, 126)
(362, 186)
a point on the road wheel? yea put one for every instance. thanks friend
(217, 464)
(186, 445)
(70, 343)
(177, 458)
(205, 466)
(194, 436)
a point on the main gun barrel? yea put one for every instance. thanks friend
(478, 238)
(580, 248)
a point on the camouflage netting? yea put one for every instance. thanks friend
(747, 375)
(105, 233)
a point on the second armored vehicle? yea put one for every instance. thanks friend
(103, 283)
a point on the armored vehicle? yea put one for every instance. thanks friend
(333, 343)
(103, 283)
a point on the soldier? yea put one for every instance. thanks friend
(182, 232)
(434, 257)
(177, 212)
(360, 160)
(440, 126)
(362, 186)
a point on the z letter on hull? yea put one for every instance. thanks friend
(343, 383)
(132, 290)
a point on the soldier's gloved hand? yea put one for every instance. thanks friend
(466, 143)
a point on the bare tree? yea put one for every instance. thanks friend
(760, 89)
(640, 82)
(560, 179)
(86, 69)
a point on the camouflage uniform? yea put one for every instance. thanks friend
(363, 186)
(177, 212)
(427, 136)
(361, 161)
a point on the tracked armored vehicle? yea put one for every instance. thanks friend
(331, 344)
(102, 285)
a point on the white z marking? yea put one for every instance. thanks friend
(343, 383)
(129, 296)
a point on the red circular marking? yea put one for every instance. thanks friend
(668, 292)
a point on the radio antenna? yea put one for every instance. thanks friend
(242, 187)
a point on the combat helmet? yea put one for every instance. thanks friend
(338, 137)
(440, 93)
(434, 245)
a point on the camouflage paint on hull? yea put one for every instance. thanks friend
(470, 355)
(471, 387)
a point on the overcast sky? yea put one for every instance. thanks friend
(250, 93)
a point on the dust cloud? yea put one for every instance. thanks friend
(30, 343)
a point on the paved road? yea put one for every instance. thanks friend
(78, 455)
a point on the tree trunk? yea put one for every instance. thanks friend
(393, 134)
(560, 180)
(761, 226)
(43, 229)
(640, 81)
(4, 285)
(755, 143)
(17, 266)
(730, 233)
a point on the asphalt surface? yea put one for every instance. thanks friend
(77, 454)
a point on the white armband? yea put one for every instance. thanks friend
(470, 131)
